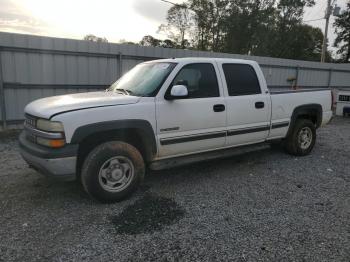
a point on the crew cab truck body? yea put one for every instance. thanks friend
(163, 110)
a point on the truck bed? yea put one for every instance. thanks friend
(284, 102)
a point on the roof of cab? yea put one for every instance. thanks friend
(206, 59)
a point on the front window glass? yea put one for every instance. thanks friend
(144, 79)
(200, 80)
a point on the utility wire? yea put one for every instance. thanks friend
(172, 3)
(316, 10)
(313, 20)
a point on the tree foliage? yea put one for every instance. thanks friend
(256, 27)
(209, 20)
(149, 40)
(94, 38)
(342, 41)
(251, 27)
(179, 22)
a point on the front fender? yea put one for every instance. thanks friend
(143, 126)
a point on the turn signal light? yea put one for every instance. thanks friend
(54, 143)
(57, 143)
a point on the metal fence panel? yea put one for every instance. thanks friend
(313, 78)
(277, 77)
(340, 79)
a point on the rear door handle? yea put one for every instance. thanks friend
(259, 105)
(219, 108)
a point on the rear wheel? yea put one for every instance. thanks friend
(302, 139)
(112, 171)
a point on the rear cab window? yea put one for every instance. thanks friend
(241, 79)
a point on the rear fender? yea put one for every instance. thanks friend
(314, 111)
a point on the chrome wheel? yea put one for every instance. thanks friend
(116, 174)
(305, 138)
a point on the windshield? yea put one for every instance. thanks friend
(144, 79)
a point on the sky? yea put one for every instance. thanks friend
(114, 19)
(318, 11)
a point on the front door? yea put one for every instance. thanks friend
(195, 123)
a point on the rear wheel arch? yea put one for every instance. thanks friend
(302, 139)
(312, 112)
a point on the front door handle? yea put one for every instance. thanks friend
(219, 108)
(259, 105)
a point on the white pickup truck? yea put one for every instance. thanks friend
(162, 112)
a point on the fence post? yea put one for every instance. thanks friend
(120, 64)
(297, 76)
(330, 77)
(2, 98)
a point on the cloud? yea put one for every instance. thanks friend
(14, 19)
(155, 10)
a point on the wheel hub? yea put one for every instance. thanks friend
(305, 138)
(116, 174)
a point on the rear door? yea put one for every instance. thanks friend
(248, 107)
(195, 123)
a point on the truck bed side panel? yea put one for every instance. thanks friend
(284, 103)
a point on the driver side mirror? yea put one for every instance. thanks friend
(178, 91)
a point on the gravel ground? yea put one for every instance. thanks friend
(261, 206)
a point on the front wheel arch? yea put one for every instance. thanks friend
(143, 128)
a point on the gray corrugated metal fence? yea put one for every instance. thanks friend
(32, 67)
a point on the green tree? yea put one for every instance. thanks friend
(126, 42)
(94, 38)
(179, 23)
(149, 40)
(342, 29)
(209, 19)
(167, 43)
(250, 27)
(289, 28)
(306, 44)
(256, 27)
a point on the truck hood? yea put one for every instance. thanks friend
(47, 107)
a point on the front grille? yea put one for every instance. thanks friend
(30, 121)
(32, 133)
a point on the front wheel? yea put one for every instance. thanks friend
(112, 171)
(302, 139)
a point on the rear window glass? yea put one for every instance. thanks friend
(241, 79)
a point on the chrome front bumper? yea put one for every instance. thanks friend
(60, 164)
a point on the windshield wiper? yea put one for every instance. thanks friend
(125, 91)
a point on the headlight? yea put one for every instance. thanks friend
(50, 126)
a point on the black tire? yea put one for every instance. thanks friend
(94, 164)
(296, 146)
